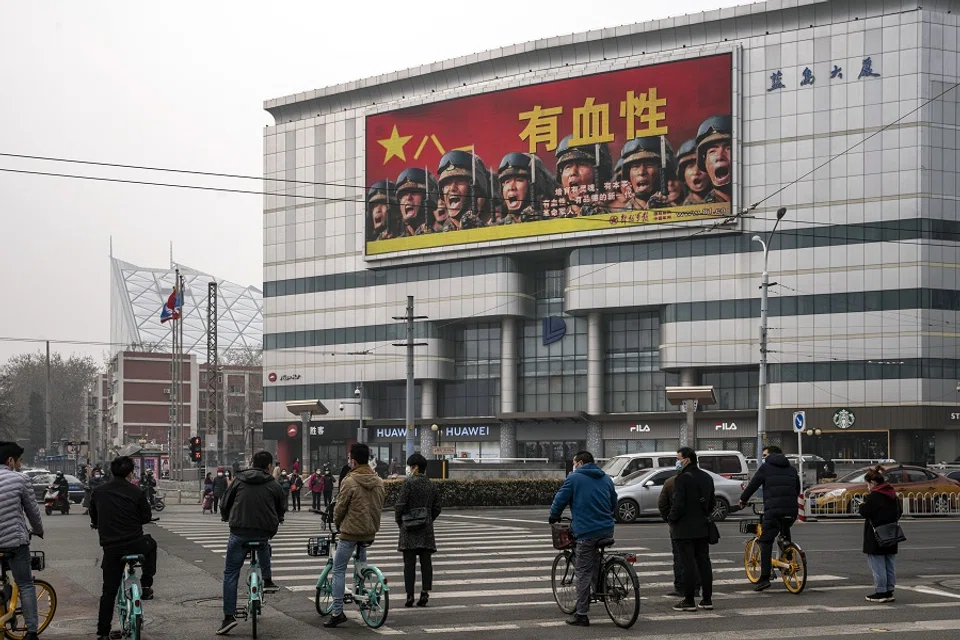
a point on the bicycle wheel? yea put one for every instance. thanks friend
(324, 599)
(794, 576)
(254, 615)
(621, 592)
(751, 560)
(563, 582)
(123, 612)
(16, 627)
(374, 599)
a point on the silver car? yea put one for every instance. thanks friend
(639, 496)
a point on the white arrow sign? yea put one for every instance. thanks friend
(799, 421)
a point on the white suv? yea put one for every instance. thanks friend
(729, 464)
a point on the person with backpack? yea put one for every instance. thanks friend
(315, 483)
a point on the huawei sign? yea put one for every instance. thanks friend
(272, 377)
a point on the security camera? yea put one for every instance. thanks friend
(341, 406)
(356, 392)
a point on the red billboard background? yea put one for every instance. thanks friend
(491, 125)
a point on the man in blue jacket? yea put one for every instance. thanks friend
(592, 499)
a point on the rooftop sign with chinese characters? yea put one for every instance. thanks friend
(808, 79)
(596, 152)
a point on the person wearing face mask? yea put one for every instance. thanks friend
(96, 479)
(219, 488)
(880, 507)
(693, 502)
(665, 503)
(592, 498)
(418, 505)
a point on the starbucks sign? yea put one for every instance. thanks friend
(844, 418)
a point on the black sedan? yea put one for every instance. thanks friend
(42, 481)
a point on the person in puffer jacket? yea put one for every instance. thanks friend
(781, 486)
(880, 507)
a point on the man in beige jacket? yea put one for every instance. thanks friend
(357, 518)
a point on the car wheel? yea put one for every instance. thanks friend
(721, 510)
(627, 510)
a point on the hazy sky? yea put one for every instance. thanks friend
(181, 85)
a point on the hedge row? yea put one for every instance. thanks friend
(509, 492)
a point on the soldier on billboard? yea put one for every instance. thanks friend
(696, 181)
(382, 211)
(417, 192)
(619, 192)
(464, 190)
(524, 185)
(714, 156)
(582, 172)
(642, 166)
(675, 189)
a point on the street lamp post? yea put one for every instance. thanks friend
(764, 287)
(436, 429)
(358, 394)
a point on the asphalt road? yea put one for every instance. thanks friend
(492, 577)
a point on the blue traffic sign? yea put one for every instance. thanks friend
(799, 421)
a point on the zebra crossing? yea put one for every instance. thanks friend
(492, 576)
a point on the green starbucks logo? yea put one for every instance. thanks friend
(844, 418)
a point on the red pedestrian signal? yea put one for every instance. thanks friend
(196, 449)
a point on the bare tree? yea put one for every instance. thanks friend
(243, 357)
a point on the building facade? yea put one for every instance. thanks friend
(558, 308)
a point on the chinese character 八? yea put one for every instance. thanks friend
(423, 143)
(776, 81)
(808, 77)
(836, 73)
(591, 124)
(541, 127)
(646, 107)
(867, 69)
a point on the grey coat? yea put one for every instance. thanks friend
(417, 491)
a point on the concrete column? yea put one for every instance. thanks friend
(595, 439)
(595, 353)
(508, 440)
(428, 410)
(508, 365)
(688, 429)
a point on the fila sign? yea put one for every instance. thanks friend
(726, 426)
(640, 428)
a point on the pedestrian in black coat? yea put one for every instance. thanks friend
(693, 502)
(881, 506)
(417, 493)
(219, 489)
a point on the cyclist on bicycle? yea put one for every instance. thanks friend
(118, 510)
(16, 500)
(781, 486)
(254, 506)
(593, 500)
(149, 485)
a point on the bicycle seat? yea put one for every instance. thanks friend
(605, 542)
(252, 544)
(135, 558)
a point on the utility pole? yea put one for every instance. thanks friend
(765, 285)
(410, 345)
(46, 404)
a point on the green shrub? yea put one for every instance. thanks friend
(509, 492)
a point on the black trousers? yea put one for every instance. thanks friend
(216, 502)
(410, 569)
(771, 529)
(112, 566)
(327, 498)
(296, 499)
(316, 498)
(695, 557)
(678, 568)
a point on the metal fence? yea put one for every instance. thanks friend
(847, 504)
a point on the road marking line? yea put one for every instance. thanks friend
(540, 522)
(935, 592)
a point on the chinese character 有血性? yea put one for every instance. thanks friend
(776, 81)
(808, 77)
(591, 124)
(541, 127)
(867, 69)
(836, 73)
(646, 107)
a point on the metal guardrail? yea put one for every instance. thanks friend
(482, 460)
(847, 504)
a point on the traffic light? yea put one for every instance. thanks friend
(196, 449)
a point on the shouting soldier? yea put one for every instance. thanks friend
(382, 212)
(582, 172)
(464, 190)
(714, 156)
(641, 168)
(524, 185)
(697, 183)
(417, 192)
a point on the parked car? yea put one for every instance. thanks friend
(638, 497)
(954, 475)
(32, 473)
(928, 491)
(624, 468)
(42, 481)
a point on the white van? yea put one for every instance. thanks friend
(729, 464)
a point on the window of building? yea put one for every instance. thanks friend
(390, 399)
(633, 381)
(734, 388)
(613, 448)
(475, 389)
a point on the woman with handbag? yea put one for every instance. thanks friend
(881, 508)
(418, 505)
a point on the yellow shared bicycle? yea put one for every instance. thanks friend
(787, 557)
(11, 613)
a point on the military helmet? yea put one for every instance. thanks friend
(586, 154)
(529, 166)
(463, 164)
(417, 179)
(686, 154)
(646, 148)
(713, 129)
(382, 191)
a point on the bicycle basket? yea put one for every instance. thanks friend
(749, 526)
(38, 560)
(562, 536)
(318, 547)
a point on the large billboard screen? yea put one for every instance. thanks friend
(641, 146)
